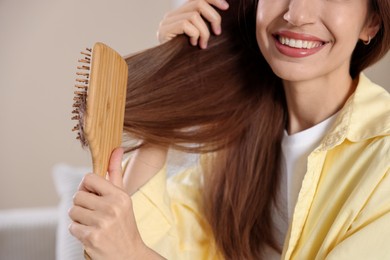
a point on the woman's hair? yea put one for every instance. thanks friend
(225, 100)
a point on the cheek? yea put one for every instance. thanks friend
(346, 24)
(266, 15)
(269, 15)
(260, 19)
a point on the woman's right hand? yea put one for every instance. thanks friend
(191, 19)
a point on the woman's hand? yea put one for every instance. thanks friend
(190, 20)
(103, 218)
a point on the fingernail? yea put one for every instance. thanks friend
(192, 42)
(224, 4)
(217, 30)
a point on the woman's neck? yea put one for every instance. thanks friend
(311, 102)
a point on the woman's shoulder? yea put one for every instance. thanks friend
(185, 179)
(369, 111)
(168, 210)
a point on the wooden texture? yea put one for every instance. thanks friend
(103, 125)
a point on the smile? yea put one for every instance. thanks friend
(299, 44)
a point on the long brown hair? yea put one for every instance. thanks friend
(225, 100)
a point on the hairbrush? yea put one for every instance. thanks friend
(99, 104)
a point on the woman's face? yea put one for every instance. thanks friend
(308, 39)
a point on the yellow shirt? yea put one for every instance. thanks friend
(343, 207)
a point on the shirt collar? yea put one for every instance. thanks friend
(365, 115)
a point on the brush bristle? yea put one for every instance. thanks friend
(80, 99)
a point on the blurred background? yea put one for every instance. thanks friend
(40, 43)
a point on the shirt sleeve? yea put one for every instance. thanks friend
(369, 236)
(169, 216)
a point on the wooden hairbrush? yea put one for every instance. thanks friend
(99, 104)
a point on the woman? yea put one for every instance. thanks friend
(297, 139)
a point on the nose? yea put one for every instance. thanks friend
(301, 12)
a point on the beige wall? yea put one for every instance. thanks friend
(40, 42)
(39, 45)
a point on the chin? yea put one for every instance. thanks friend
(292, 72)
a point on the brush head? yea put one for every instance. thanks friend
(99, 103)
(80, 99)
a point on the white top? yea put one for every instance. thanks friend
(295, 150)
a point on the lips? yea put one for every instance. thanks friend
(297, 45)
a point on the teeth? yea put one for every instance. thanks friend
(299, 44)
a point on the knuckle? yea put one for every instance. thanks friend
(111, 211)
(206, 34)
(199, 4)
(91, 239)
(88, 178)
(194, 16)
(71, 212)
(168, 15)
(217, 19)
(125, 200)
(187, 27)
(103, 224)
(85, 180)
(161, 25)
(76, 197)
(72, 230)
(122, 204)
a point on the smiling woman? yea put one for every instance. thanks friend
(294, 138)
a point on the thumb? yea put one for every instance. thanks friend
(115, 167)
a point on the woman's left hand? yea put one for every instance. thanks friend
(103, 218)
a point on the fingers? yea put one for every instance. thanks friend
(191, 19)
(221, 4)
(115, 168)
(203, 9)
(86, 200)
(98, 185)
(108, 230)
(83, 216)
(95, 184)
(82, 232)
(191, 24)
(87, 208)
(102, 215)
